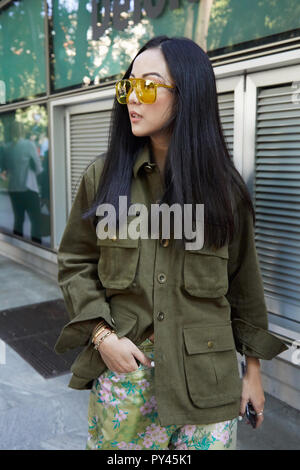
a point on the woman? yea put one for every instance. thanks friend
(160, 324)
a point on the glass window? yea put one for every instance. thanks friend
(82, 58)
(234, 22)
(24, 174)
(78, 59)
(22, 51)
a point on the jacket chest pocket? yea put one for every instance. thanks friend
(118, 261)
(205, 272)
(211, 365)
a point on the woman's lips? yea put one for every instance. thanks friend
(135, 118)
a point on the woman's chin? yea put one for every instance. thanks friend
(138, 132)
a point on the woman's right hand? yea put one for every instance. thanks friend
(119, 354)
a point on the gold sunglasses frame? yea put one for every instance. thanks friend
(134, 84)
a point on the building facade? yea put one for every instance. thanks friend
(59, 60)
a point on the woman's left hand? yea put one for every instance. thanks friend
(253, 390)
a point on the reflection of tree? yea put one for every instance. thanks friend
(211, 23)
(189, 21)
(236, 21)
(203, 22)
(127, 43)
(34, 119)
(80, 35)
(111, 54)
(22, 49)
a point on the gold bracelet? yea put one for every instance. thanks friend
(99, 340)
(95, 330)
(100, 330)
(97, 335)
(99, 325)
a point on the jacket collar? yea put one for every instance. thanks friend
(143, 157)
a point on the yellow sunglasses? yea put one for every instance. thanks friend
(145, 89)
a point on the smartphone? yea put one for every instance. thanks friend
(250, 411)
(251, 414)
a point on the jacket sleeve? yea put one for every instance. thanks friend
(34, 158)
(245, 294)
(77, 258)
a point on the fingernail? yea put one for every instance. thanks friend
(152, 363)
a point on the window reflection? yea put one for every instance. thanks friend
(22, 51)
(24, 176)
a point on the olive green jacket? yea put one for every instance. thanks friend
(203, 305)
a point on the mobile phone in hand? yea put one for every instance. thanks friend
(251, 414)
(250, 411)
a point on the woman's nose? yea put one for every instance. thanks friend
(133, 97)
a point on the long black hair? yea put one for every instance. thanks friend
(198, 167)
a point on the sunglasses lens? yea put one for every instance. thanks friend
(145, 90)
(148, 91)
(122, 89)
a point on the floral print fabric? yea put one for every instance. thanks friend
(123, 415)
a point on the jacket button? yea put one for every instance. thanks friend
(162, 278)
(160, 316)
(210, 344)
(164, 242)
(148, 168)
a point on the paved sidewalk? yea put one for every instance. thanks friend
(38, 413)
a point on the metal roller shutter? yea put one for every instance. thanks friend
(277, 201)
(226, 111)
(88, 138)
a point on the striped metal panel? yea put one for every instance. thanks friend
(226, 111)
(88, 138)
(277, 196)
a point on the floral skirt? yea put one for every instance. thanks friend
(122, 414)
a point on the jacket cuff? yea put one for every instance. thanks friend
(79, 383)
(256, 342)
(79, 330)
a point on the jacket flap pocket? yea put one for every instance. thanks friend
(118, 262)
(208, 339)
(118, 242)
(205, 272)
(213, 377)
